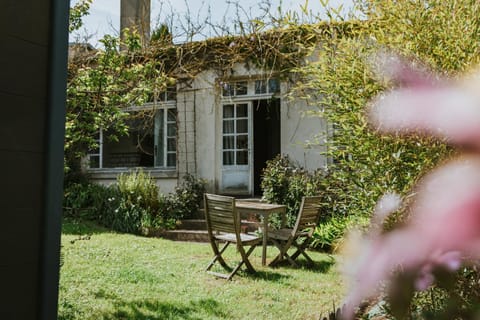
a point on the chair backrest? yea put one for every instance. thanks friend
(221, 214)
(309, 213)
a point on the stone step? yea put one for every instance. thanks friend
(195, 230)
(185, 235)
(200, 224)
(192, 224)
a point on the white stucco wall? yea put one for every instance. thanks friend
(302, 134)
(165, 180)
(199, 132)
(206, 107)
(296, 127)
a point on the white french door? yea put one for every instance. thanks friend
(237, 148)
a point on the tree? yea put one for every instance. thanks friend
(77, 12)
(441, 34)
(100, 88)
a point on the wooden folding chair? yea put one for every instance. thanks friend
(223, 225)
(300, 236)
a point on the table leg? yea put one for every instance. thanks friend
(265, 240)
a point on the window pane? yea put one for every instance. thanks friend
(228, 111)
(242, 110)
(242, 88)
(242, 141)
(228, 142)
(227, 90)
(171, 94)
(172, 145)
(172, 130)
(273, 86)
(242, 157)
(228, 126)
(228, 157)
(94, 150)
(242, 126)
(159, 139)
(171, 160)
(145, 149)
(260, 87)
(172, 115)
(135, 150)
(94, 161)
(162, 95)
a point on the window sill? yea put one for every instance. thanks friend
(112, 173)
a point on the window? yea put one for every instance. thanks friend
(267, 86)
(235, 134)
(170, 94)
(95, 155)
(235, 89)
(166, 138)
(151, 143)
(241, 88)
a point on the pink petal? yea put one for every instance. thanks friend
(405, 73)
(423, 282)
(448, 113)
(445, 226)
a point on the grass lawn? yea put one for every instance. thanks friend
(109, 275)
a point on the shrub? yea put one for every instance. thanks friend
(184, 202)
(140, 189)
(188, 197)
(139, 203)
(329, 234)
(286, 183)
(133, 204)
(88, 200)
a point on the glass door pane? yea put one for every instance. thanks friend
(236, 143)
(159, 138)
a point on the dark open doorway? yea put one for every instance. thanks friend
(266, 137)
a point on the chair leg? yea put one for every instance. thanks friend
(283, 255)
(279, 256)
(245, 261)
(291, 260)
(218, 256)
(301, 250)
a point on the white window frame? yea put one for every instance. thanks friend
(155, 106)
(235, 134)
(250, 94)
(98, 154)
(166, 108)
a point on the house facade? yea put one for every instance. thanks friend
(220, 129)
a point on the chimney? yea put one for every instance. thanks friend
(135, 15)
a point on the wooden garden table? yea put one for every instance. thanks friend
(264, 210)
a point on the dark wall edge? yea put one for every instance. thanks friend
(53, 170)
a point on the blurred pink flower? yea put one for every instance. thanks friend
(444, 228)
(444, 225)
(446, 110)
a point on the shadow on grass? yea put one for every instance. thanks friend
(267, 275)
(317, 266)
(157, 310)
(72, 226)
(152, 310)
